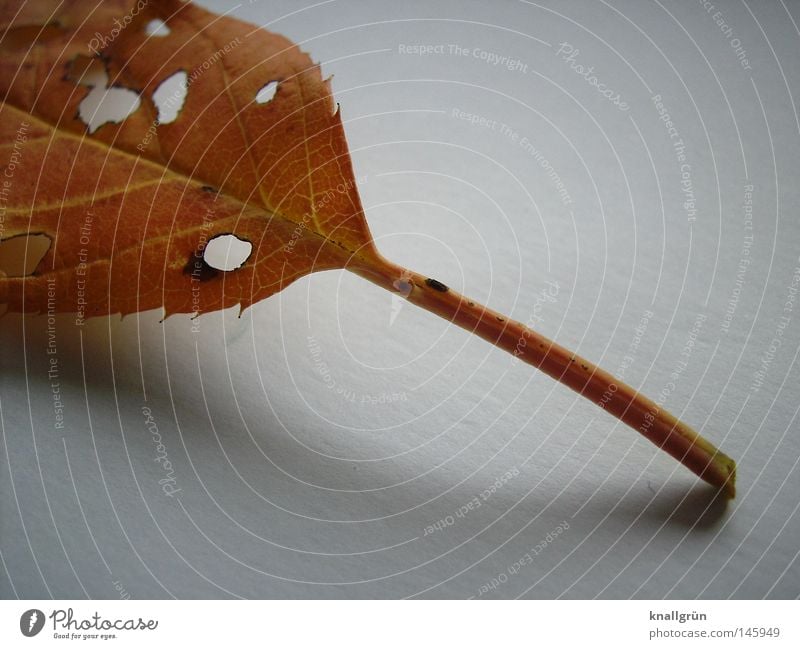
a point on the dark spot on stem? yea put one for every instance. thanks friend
(198, 268)
(209, 189)
(436, 285)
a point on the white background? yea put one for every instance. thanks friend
(357, 624)
(292, 488)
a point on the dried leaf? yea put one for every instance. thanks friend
(251, 144)
(145, 197)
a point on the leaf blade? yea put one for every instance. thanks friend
(271, 152)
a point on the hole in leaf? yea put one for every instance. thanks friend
(169, 97)
(227, 252)
(267, 92)
(20, 255)
(156, 27)
(102, 104)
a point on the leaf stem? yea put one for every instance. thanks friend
(592, 382)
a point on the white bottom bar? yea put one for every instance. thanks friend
(400, 624)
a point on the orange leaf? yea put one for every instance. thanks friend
(145, 196)
(130, 205)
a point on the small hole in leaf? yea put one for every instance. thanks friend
(156, 27)
(169, 97)
(227, 252)
(267, 92)
(103, 104)
(20, 255)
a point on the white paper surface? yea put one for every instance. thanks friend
(335, 442)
